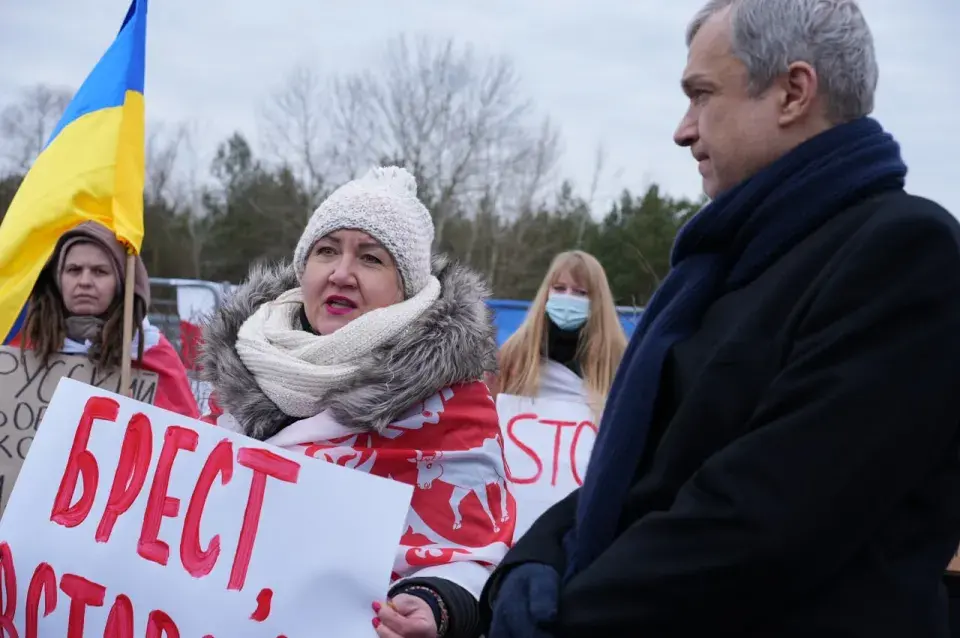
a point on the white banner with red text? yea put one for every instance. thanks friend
(547, 445)
(129, 520)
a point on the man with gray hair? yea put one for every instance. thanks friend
(780, 451)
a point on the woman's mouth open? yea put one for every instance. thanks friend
(337, 305)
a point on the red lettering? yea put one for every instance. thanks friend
(83, 593)
(264, 600)
(8, 595)
(130, 475)
(573, 448)
(120, 620)
(263, 463)
(196, 561)
(82, 462)
(530, 452)
(556, 444)
(159, 624)
(159, 503)
(43, 583)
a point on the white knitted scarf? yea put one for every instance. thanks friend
(296, 368)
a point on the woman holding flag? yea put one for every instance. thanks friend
(76, 307)
(74, 229)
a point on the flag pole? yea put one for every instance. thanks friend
(130, 280)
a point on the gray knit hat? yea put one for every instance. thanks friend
(383, 203)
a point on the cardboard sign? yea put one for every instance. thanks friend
(129, 520)
(547, 445)
(26, 387)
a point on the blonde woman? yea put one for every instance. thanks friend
(571, 342)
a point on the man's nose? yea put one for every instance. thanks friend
(686, 133)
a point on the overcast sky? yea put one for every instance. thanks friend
(606, 71)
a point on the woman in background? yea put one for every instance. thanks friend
(571, 342)
(76, 307)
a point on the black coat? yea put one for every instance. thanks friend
(803, 479)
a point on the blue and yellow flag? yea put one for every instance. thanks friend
(92, 168)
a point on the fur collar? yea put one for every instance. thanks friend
(453, 342)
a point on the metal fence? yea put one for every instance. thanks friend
(174, 301)
(178, 307)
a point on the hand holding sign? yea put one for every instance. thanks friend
(405, 616)
(130, 520)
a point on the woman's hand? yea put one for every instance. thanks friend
(404, 616)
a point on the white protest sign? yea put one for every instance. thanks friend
(128, 520)
(547, 445)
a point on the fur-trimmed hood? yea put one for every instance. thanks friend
(452, 342)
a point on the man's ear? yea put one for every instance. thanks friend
(799, 86)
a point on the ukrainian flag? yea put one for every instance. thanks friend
(92, 168)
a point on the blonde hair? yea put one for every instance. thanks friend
(602, 340)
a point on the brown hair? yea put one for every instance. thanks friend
(45, 327)
(602, 341)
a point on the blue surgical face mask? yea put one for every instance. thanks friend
(569, 312)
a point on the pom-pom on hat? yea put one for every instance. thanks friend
(383, 203)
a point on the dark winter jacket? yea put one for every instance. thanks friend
(802, 476)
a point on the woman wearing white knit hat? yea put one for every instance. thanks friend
(368, 353)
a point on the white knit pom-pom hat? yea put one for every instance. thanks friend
(383, 203)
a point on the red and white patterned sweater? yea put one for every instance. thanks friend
(461, 519)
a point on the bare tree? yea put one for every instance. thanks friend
(171, 185)
(293, 127)
(191, 195)
(599, 162)
(458, 120)
(26, 124)
(164, 145)
(515, 189)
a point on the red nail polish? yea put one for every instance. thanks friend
(376, 623)
(376, 607)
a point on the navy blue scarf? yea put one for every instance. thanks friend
(728, 244)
